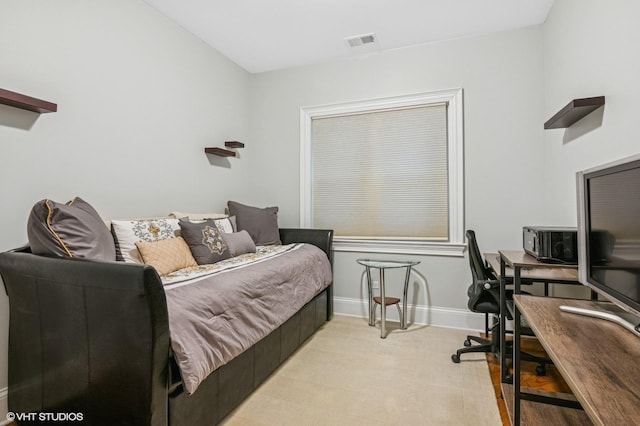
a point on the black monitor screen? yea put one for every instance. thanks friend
(613, 221)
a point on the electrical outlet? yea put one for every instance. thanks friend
(376, 284)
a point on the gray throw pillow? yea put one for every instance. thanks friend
(205, 241)
(74, 229)
(260, 223)
(239, 243)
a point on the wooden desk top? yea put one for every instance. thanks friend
(521, 258)
(597, 358)
(532, 270)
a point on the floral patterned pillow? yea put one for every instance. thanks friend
(127, 232)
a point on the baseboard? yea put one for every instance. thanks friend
(3, 407)
(436, 316)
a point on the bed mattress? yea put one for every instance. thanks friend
(218, 311)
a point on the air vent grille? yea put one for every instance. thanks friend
(360, 40)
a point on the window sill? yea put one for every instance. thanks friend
(428, 248)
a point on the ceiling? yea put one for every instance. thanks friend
(265, 35)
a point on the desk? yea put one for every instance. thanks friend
(597, 359)
(531, 270)
(517, 266)
(381, 265)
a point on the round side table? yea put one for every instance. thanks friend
(384, 301)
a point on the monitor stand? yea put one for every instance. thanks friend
(613, 313)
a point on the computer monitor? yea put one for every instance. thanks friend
(609, 236)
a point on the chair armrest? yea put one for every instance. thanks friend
(490, 284)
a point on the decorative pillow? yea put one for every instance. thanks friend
(239, 243)
(204, 239)
(74, 229)
(127, 232)
(260, 223)
(225, 224)
(197, 216)
(167, 255)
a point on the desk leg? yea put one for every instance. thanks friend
(383, 307)
(403, 320)
(503, 323)
(516, 350)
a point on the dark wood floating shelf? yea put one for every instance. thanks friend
(221, 152)
(28, 103)
(574, 111)
(234, 144)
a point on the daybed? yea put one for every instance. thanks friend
(91, 338)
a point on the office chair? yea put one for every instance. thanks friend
(484, 297)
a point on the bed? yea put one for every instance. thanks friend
(115, 343)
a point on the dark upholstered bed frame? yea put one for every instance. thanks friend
(93, 338)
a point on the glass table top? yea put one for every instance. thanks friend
(384, 264)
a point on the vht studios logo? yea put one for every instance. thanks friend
(44, 417)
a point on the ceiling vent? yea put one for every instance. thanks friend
(360, 40)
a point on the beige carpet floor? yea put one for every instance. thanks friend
(347, 375)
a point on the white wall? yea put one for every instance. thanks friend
(138, 99)
(501, 75)
(590, 49)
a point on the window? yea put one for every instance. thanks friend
(386, 174)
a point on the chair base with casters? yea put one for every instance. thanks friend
(484, 345)
(493, 346)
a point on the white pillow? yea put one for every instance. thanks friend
(127, 232)
(227, 224)
(198, 216)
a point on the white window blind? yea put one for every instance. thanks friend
(382, 174)
(386, 174)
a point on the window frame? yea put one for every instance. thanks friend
(455, 245)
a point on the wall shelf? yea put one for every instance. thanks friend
(25, 102)
(574, 111)
(234, 144)
(220, 152)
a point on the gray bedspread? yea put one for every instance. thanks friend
(213, 319)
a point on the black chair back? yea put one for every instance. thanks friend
(479, 270)
(483, 291)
